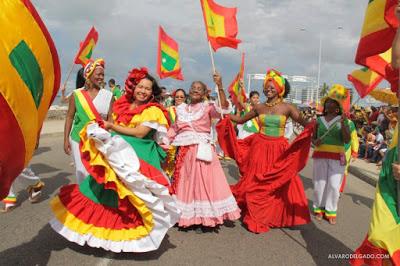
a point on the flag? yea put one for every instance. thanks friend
(30, 79)
(86, 47)
(251, 125)
(168, 62)
(384, 231)
(221, 25)
(238, 95)
(364, 80)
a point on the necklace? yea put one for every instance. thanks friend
(274, 103)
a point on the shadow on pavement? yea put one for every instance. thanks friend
(35, 252)
(357, 199)
(41, 150)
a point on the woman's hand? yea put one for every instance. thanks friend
(396, 171)
(108, 125)
(217, 79)
(67, 147)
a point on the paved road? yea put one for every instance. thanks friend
(27, 239)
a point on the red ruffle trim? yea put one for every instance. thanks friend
(364, 253)
(124, 114)
(182, 150)
(124, 217)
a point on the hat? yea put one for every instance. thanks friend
(337, 93)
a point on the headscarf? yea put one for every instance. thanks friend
(277, 80)
(91, 66)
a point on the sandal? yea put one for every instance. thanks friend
(35, 192)
(319, 216)
(8, 207)
(332, 220)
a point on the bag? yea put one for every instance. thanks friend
(204, 152)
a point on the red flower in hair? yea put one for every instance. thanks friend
(133, 79)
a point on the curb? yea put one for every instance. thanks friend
(364, 177)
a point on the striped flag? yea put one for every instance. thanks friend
(221, 25)
(384, 231)
(238, 95)
(86, 47)
(364, 80)
(29, 78)
(168, 62)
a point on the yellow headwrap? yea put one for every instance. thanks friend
(277, 80)
(91, 66)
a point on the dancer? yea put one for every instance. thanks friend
(199, 184)
(124, 204)
(331, 135)
(78, 115)
(251, 126)
(179, 97)
(269, 192)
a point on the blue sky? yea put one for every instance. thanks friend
(270, 31)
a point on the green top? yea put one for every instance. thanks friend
(272, 125)
(117, 93)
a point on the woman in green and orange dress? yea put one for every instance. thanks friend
(269, 192)
(124, 204)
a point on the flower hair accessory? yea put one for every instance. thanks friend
(277, 80)
(133, 79)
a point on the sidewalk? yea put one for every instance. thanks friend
(367, 172)
(52, 128)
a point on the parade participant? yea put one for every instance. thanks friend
(179, 97)
(34, 190)
(251, 126)
(90, 96)
(114, 89)
(124, 204)
(199, 184)
(269, 192)
(331, 134)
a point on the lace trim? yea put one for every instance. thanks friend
(161, 131)
(190, 137)
(207, 208)
(185, 116)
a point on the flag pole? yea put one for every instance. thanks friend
(69, 74)
(214, 70)
(398, 147)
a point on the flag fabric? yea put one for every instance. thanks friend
(30, 79)
(86, 47)
(251, 125)
(364, 80)
(374, 48)
(238, 95)
(384, 231)
(221, 25)
(168, 62)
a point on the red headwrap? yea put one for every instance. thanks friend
(133, 79)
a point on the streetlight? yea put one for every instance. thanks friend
(319, 63)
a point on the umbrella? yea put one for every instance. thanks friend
(384, 95)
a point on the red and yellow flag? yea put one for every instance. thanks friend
(221, 24)
(29, 78)
(86, 47)
(168, 62)
(238, 94)
(364, 80)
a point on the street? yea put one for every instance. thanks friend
(27, 239)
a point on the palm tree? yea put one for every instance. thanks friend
(324, 90)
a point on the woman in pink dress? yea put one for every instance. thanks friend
(200, 186)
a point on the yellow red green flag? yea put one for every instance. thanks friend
(86, 47)
(168, 62)
(29, 78)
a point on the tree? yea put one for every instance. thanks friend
(324, 90)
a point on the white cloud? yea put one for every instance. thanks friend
(269, 29)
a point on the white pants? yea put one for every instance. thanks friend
(27, 177)
(80, 170)
(327, 178)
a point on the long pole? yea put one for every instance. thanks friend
(69, 74)
(398, 150)
(214, 70)
(319, 69)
